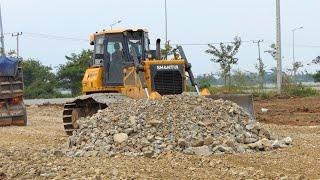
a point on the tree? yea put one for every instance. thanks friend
(316, 60)
(70, 75)
(239, 78)
(273, 74)
(167, 51)
(316, 76)
(39, 81)
(262, 72)
(205, 80)
(272, 51)
(296, 66)
(12, 53)
(225, 56)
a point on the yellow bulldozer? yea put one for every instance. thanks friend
(125, 67)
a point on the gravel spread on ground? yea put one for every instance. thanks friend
(26, 153)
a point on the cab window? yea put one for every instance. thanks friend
(115, 60)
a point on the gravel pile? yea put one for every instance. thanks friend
(183, 123)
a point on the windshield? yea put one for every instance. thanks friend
(135, 43)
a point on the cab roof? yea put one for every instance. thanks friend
(119, 30)
(114, 31)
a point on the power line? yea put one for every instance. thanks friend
(308, 46)
(297, 45)
(54, 37)
(206, 44)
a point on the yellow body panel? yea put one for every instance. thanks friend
(93, 82)
(132, 86)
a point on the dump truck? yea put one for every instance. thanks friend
(12, 108)
(124, 66)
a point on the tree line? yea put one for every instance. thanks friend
(225, 55)
(42, 82)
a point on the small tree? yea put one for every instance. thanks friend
(39, 80)
(316, 76)
(272, 51)
(205, 80)
(70, 74)
(239, 78)
(296, 66)
(273, 74)
(225, 56)
(316, 60)
(262, 72)
(12, 53)
(167, 50)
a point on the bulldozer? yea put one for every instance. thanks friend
(124, 66)
(12, 108)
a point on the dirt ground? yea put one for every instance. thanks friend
(293, 111)
(24, 151)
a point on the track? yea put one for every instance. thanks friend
(85, 106)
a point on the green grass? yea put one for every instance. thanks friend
(262, 94)
(300, 91)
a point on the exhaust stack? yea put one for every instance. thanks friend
(158, 52)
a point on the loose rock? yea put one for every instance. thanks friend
(181, 123)
(120, 137)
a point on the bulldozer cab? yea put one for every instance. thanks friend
(114, 50)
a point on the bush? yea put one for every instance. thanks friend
(39, 80)
(300, 91)
(316, 77)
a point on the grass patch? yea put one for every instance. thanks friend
(293, 90)
(300, 91)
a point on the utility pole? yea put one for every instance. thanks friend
(3, 53)
(166, 20)
(258, 42)
(166, 25)
(17, 36)
(278, 47)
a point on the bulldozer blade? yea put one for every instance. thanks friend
(243, 100)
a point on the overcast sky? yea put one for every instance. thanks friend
(189, 22)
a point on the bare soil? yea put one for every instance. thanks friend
(24, 151)
(292, 111)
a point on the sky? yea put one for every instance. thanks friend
(189, 22)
